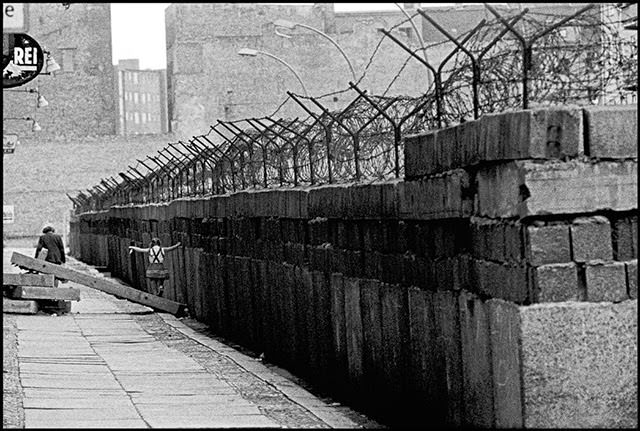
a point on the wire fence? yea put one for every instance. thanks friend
(516, 61)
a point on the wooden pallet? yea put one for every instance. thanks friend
(98, 283)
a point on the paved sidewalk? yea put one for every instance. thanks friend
(112, 363)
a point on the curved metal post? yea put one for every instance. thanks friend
(460, 46)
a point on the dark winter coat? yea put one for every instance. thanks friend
(53, 243)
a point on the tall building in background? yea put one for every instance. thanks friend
(80, 94)
(208, 80)
(142, 99)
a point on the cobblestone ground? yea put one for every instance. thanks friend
(12, 412)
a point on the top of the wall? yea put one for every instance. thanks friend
(554, 133)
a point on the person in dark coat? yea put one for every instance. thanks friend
(53, 243)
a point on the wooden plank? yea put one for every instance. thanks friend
(19, 306)
(98, 283)
(36, 292)
(45, 280)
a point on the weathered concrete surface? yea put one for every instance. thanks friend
(591, 239)
(549, 133)
(526, 188)
(580, 365)
(556, 282)
(611, 131)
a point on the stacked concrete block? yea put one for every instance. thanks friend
(611, 132)
(625, 237)
(527, 188)
(570, 364)
(552, 133)
(437, 197)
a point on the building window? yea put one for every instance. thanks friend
(135, 97)
(136, 118)
(135, 77)
(68, 58)
(142, 97)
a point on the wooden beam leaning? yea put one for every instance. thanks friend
(101, 284)
(43, 280)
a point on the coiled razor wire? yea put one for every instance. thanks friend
(518, 61)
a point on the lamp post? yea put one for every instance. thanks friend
(248, 52)
(418, 34)
(35, 127)
(291, 25)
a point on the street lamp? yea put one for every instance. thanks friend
(35, 127)
(418, 34)
(291, 25)
(248, 52)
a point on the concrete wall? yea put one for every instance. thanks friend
(467, 294)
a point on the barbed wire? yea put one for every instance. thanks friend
(577, 61)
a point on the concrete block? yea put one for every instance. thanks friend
(476, 361)
(500, 280)
(556, 282)
(469, 143)
(625, 238)
(514, 241)
(580, 365)
(548, 133)
(390, 199)
(339, 331)
(447, 147)
(632, 278)
(427, 362)
(504, 323)
(420, 155)
(354, 337)
(447, 324)
(591, 239)
(611, 131)
(548, 244)
(395, 332)
(371, 311)
(525, 188)
(440, 196)
(606, 282)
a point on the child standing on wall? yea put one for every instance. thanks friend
(156, 272)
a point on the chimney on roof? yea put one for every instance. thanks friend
(327, 15)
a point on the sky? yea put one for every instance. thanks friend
(137, 30)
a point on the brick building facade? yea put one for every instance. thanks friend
(80, 94)
(208, 80)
